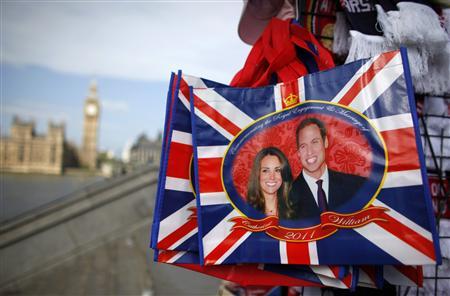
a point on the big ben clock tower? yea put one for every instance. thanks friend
(91, 112)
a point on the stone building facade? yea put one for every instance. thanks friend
(26, 152)
(145, 151)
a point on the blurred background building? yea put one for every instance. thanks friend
(76, 219)
(97, 205)
(24, 151)
(91, 112)
(145, 151)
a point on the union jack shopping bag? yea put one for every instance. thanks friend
(179, 221)
(327, 169)
(175, 225)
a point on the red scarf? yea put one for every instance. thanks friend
(276, 52)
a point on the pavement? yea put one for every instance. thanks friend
(121, 267)
(93, 245)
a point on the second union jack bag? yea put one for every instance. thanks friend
(369, 203)
(174, 226)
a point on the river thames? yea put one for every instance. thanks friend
(21, 193)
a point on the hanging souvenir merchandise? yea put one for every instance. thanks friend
(176, 230)
(174, 235)
(175, 224)
(379, 26)
(347, 127)
(401, 275)
(262, 274)
(437, 125)
(284, 52)
(319, 17)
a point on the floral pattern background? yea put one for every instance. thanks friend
(348, 150)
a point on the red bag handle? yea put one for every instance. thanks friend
(275, 53)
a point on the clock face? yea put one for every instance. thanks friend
(91, 109)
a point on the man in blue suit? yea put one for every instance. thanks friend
(318, 189)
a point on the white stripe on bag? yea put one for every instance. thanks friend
(393, 122)
(182, 137)
(211, 151)
(355, 77)
(313, 257)
(301, 90)
(214, 237)
(174, 221)
(234, 247)
(395, 277)
(405, 221)
(277, 97)
(378, 85)
(213, 124)
(193, 81)
(393, 246)
(224, 107)
(283, 253)
(213, 198)
(178, 184)
(403, 179)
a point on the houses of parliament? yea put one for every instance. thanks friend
(24, 151)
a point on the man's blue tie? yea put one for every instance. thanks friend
(321, 198)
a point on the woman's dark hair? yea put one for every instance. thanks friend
(255, 195)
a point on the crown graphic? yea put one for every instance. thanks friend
(290, 100)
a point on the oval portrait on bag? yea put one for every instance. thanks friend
(298, 163)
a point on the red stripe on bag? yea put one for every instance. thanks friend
(209, 179)
(289, 94)
(297, 253)
(178, 234)
(335, 270)
(371, 273)
(184, 88)
(249, 275)
(221, 120)
(348, 279)
(367, 77)
(165, 256)
(414, 273)
(178, 165)
(408, 235)
(402, 151)
(224, 246)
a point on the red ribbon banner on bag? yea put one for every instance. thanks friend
(255, 225)
(330, 223)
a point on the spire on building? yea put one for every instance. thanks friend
(93, 90)
(91, 112)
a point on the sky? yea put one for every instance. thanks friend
(52, 50)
